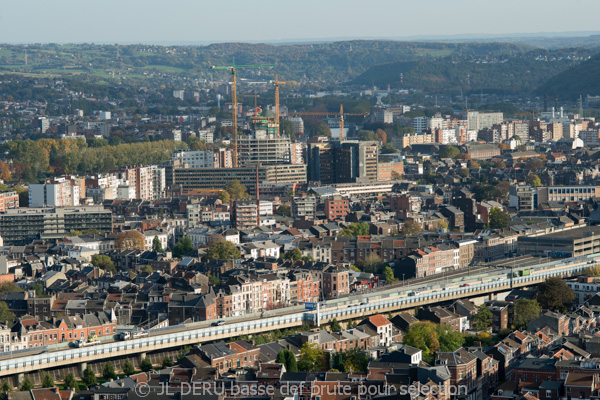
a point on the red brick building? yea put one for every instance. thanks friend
(336, 207)
(67, 329)
(226, 356)
(336, 281)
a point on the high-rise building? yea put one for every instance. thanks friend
(419, 124)
(298, 125)
(42, 123)
(264, 148)
(223, 158)
(342, 162)
(143, 180)
(56, 192)
(158, 182)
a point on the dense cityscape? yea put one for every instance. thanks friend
(329, 220)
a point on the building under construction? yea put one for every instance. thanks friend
(265, 146)
(216, 178)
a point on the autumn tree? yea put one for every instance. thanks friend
(388, 148)
(372, 263)
(449, 152)
(224, 196)
(355, 229)
(367, 135)
(483, 319)
(554, 294)
(525, 311)
(294, 254)
(410, 227)
(223, 251)
(499, 219)
(312, 358)
(5, 174)
(593, 271)
(423, 335)
(534, 164)
(474, 164)
(534, 180)
(501, 190)
(284, 210)
(183, 246)
(130, 240)
(382, 136)
(388, 274)
(6, 315)
(236, 190)
(104, 262)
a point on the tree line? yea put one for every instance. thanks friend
(31, 160)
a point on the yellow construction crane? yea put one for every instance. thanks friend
(327, 114)
(277, 83)
(233, 69)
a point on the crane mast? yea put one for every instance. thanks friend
(234, 104)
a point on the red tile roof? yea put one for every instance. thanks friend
(379, 320)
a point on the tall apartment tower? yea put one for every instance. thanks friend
(342, 161)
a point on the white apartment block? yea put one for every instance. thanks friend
(206, 135)
(159, 182)
(59, 192)
(437, 122)
(419, 124)
(194, 158)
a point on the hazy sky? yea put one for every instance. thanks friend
(152, 21)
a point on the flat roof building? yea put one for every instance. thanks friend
(22, 225)
(564, 243)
